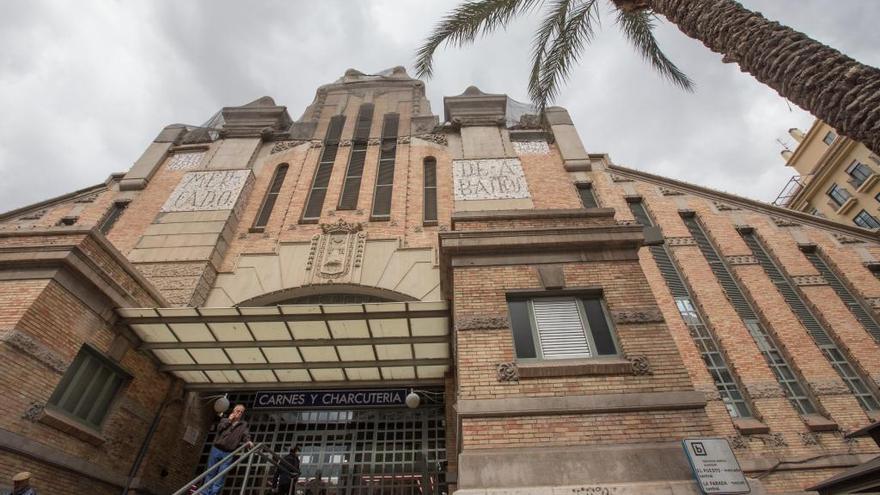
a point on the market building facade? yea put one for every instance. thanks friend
(564, 321)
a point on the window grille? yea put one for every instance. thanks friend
(815, 329)
(88, 387)
(385, 172)
(352, 185)
(768, 345)
(271, 195)
(430, 192)
(318, 192)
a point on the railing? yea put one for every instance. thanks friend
(791, 189)
(244, 455)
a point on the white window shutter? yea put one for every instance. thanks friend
(561, 330)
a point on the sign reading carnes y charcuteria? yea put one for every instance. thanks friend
(494, 178)
(203, 191)
(320, 399)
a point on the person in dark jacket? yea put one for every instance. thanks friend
(232, 432)
(287, 473)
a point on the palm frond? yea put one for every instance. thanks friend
(552, 24)
(464, 24)
(564, 52)
(638, 27)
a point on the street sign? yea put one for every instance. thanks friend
(715, 467)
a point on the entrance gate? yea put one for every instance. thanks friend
(358, 451)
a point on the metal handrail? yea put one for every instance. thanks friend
(259, 449)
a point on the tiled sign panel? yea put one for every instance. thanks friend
(495, 178)
(203, 191)
(185, 161)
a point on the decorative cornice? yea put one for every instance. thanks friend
(341, 226)
(483, 322)
(642, 315)
(680, 241)
(26, 344)
(747, 259)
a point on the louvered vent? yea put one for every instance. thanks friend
(855, 305)
(351, 188)
(838, 360)
(640, 213)
(430, 196)
(561, 329)
(385, 174)
(271, 196)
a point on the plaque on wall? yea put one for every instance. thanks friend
(496, 178)
(204, 191)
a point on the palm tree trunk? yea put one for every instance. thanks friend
(835, 88)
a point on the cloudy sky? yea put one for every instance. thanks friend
(86, 85)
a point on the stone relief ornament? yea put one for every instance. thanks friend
(742, 260)
(640, 365)
(35, 215)
(620, 178)
(724, 206)
(316, 144)
(337, 249)
(670, 192)
(646, 315)
(485, 322)
(508, 372)
(738, 442)
(185, 161)
(809, 438)
(681, 241)
(34, 411)
(784, 222)
(807, 280)
(285, 145)
(531, 147)
(87, 199)
(845, 239)
(374, 142)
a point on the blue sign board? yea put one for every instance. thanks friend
(327, 399)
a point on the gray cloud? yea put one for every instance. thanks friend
(85, 86)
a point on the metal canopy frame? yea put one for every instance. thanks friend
(302, 345)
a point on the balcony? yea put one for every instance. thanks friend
(791, 189)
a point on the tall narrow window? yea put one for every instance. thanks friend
(430, 194)
(703, 337)
(352, 187)
(838, 194)
(822, 338)
(112, 216)
(866, 221)
(315, 203)
(88, 387)
(767, 343)
(269, 201)
(585, 191)
(385, 172)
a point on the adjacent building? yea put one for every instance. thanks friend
(565, 321)
(837, 178)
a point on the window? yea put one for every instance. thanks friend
(829, 138)
(385, 172)
(430, 194)
(838, 194)
(585, 191)
(112, 216)
(315, 203)
(859, 172)
(88, 387)
(866, 220)
(560, 328)
(271, 195)
(352, 187)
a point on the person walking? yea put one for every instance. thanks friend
(232, 433)
(287, 473)
(21, 484)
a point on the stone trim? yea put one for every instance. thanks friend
(484, 322)
(638, 315)
(750, 426)
(507, 372)
(580, 404)
(61, 422)
(670, 192)
(776, 463)
(26, 344)
(784, 222)
(501, 243)
(680, 241)
(725, 207)
(738, 260)
(574, 367)
(832, 386)
(764, 390)
(53, 456)
(479, 216)
(808, 280)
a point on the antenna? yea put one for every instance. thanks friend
(783, 144)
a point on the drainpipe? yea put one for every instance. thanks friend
(145, 445)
